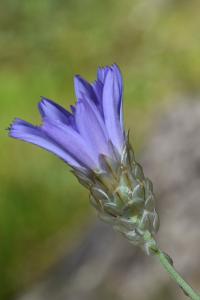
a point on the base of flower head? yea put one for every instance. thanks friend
(130, 229)
(123, 196)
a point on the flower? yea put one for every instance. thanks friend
(91, 139)
(93, 127)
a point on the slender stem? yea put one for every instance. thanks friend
(165, 261)
(152, 248)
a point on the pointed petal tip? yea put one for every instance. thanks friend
(45, 101)
(42, 105)
(76, 79)
(54, 112)
(79, 79)
(83, 89)
(77, 76)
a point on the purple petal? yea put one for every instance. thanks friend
(117, 71)
(101, 73)
(33, 134)
(90, 92)
(118, 75)
(73, 109)
(84, 89)
(52, 111)
(94, 110)
(72, 141)
(98, 87)
(98, 90)
(91, 128)
(111, 104)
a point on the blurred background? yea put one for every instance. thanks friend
(156, 43)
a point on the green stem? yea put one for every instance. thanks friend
(152, 248)
(165, 261)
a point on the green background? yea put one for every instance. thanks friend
(43, 209)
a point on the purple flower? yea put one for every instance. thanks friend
(91, 139)
(94, 126)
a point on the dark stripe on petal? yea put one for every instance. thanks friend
(84, 88)
(90, 92)
(120, 86)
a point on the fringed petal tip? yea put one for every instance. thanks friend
(22, 130)
(17, 128)
(102, 72)
(36, 135)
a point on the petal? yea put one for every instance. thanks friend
(94, 110)
(101, 73)
(72, 142)
(117, 71)
(90, 92)
(55, 112)
(98, 87)
(33, 134)
(120, 86)
(111, 105)
(98, 90)
(83, 88)
(91, 128)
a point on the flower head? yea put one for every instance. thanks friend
(93, 127)
(91, 139)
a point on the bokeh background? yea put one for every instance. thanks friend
(156, 43)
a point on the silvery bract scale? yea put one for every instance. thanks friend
(123, 196)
